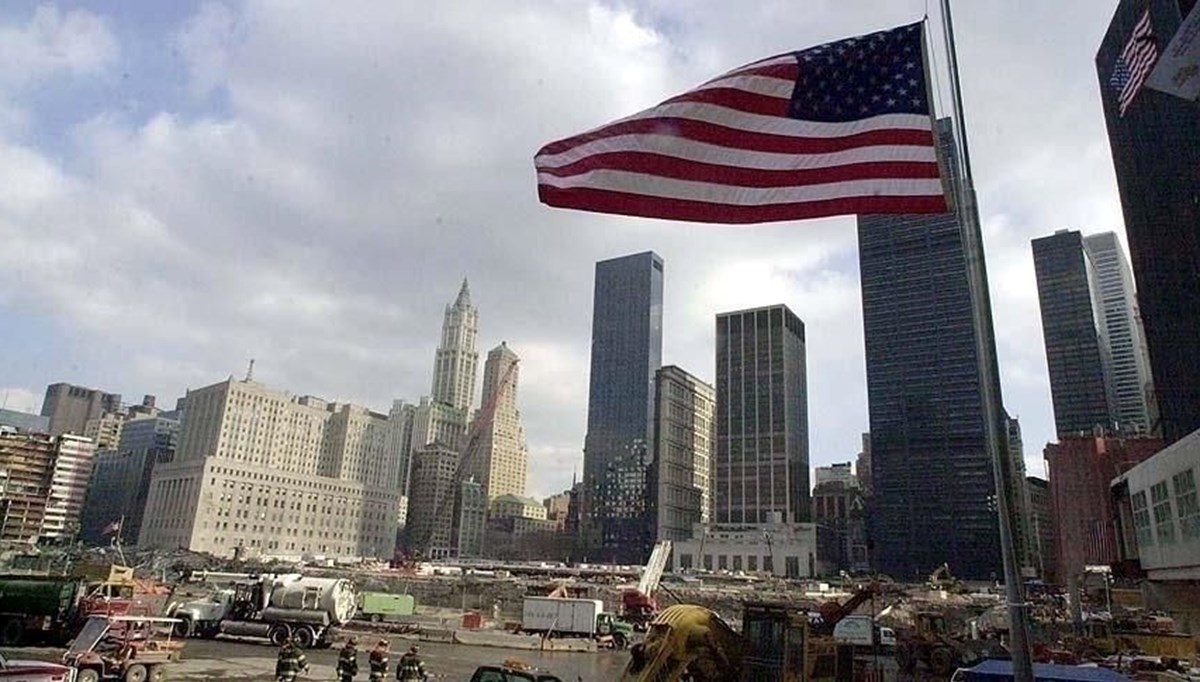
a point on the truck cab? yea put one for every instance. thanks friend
(609, 627)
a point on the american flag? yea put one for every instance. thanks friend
(841, 128)
(1134, 63)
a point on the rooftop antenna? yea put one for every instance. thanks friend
(250, 372)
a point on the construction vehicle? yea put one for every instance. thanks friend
(1102, 638)
(832, 612)
(52, 607)
(930, 643)
(862, 632)
(692, 642)
(273, 607)
(129, 648)
(638, 606)
(942, 580)
(562, 617)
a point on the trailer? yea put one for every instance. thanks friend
(559, 617)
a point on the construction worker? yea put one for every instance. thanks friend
(378, 661)
(411, 668)
(290, 663)
(347, 665)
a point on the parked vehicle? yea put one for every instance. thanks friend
(48, 607)
(381, 606)
(557, 617)
(512, 671)
(129, 648)
(997, 670)
(273, 607)
(34, 671)
(863, 632)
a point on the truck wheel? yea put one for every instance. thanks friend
(135, 673)
(12, 633)
(157, 673)
(184, 628)
(279, 634)
(304, 637)
(619, 641)
(88, 675)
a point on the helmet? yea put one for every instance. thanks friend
(382, 642)
(353, 641)
(413, 649)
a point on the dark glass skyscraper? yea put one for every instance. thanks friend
(1069, 332)
(934, 496)
(761, 462)
(1156, 153)
(626, 353)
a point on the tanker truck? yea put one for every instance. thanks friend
(273, 607)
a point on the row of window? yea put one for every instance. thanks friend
(737, 562)
(1156, 522)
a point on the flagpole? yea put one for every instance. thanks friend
(989, 374)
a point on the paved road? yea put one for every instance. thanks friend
(223, 659)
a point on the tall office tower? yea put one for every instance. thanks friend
(1019, 496)
(70, 407)
(120, 481)
(431, 505)
(680, 485)
(456, 364)
(1073, 350)
(1123, 342)
(932, 476)
(261, 472)
(1156, 154)
(503, 461)
(761, 467)
(626, 352)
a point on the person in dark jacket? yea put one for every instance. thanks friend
(347, 665)
(411, 667)
(378, 661)
(290, 663)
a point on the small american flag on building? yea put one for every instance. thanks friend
(1134, 63)
(841, 128)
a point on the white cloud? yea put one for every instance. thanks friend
(371, 156)
(20, 399)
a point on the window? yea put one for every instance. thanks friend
(1141, 520)
(737, 562)
(1186, 505)
(793, 567)
(722, 562)
(708, 562)
(1164, 520)
(768, 563)
(752, 563)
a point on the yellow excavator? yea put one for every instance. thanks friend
(691, 642)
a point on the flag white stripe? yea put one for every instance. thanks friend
(778, 60)
(774, 125)
(669, 145)
(759, 85)
(671, 188)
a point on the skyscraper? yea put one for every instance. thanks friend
(761, 467)
(456, 364)
(70, 407)
(1069, 332)
(503, 461)
(934, 494)
(1156, 155)
(680, 481)
(626, 352)
(1126, 362)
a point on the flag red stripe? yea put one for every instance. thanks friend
(787, 72)
(712, 133)
(738, 100)
(606, 201)
(735, 176)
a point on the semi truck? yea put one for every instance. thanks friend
(44, 607)
(272, 607)
(559, 617)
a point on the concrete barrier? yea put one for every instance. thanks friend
(507, 640)
(435, 635)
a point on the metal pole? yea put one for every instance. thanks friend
(989, 374)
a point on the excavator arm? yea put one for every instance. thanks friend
(686, 639)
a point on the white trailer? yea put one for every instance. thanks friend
(571, 617)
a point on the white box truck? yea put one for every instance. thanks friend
(558, 617)
(860, 631)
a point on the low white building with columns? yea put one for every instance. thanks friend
(784, 550)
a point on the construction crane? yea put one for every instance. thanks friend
(469, 451)
(638, 606)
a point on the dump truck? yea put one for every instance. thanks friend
(557, 617)
(44, 607)
(272, 607)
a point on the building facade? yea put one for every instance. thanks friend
(1131, 396)
(680, 475)
(70, 407)
(839, 506)
(26, 468)
(121, 477)
(1070, 335)
(1081, 470)
(626, 353)
(862, 466)
(933, 490)
(470, 519)
(502, 466)
(761, 464)
(787, 550)
(105, 430)
(429, 530)
(841, 472)
(23, 422)
(68, 487)
(456, 365)
(259, 472)
(507, 506)
(1156, 155)
(1042, 522)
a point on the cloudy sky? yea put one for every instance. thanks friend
(185, 186)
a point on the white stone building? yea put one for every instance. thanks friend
(786, 550)
(502, 462)
(261, 472)
(68, 486)
(457, 361)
